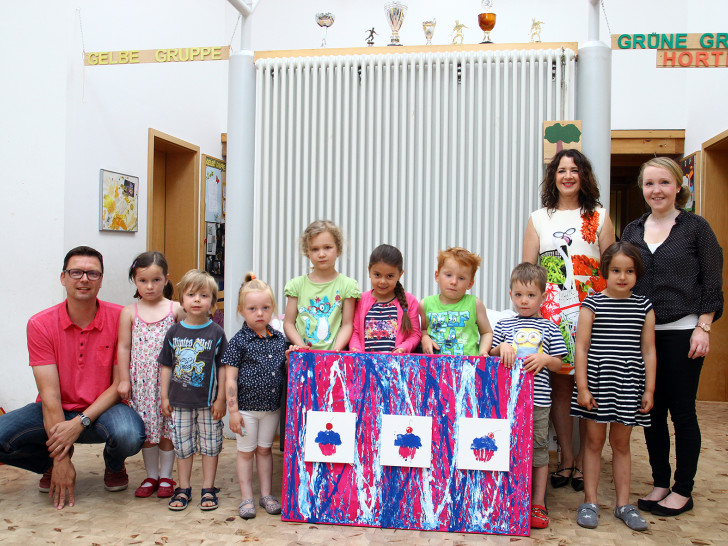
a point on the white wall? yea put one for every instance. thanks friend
(61, 123)
(32, 148)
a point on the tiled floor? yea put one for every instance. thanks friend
(27, 517)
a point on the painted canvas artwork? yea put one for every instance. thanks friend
(406, 441)
(375, 387)
(483, 444)
(329, 437)
(119, 195)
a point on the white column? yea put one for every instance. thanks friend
(593, 102)
(240, 173)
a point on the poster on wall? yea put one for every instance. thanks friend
(214, 183)
(119, 196)
(691, 179)
(407, 406)
(210, 238)
(560, 135)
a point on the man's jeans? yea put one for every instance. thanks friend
(23, 437)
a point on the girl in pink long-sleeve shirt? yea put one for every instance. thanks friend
(386, 317)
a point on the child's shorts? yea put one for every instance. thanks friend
(193, 427)
(540, 436)
(260, 429)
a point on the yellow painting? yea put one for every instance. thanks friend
(119, 201)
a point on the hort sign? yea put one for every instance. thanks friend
(709, 49)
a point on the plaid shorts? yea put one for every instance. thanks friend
(191, 427)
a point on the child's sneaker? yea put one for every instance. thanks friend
(631, 517)
(587, 515)
(539, 517)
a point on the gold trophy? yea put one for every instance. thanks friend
(486, 21)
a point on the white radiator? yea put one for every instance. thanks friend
(422, 151)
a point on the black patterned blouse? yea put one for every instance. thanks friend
(684, 275)
(260, 368)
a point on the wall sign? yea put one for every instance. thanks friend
(406, 407)
(168, 55)
(681, 50)
(119, 196)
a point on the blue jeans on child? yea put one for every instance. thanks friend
(23, 437)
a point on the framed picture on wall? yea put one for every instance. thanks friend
(690, 165)
(119, 206)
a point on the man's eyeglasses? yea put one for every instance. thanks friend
(77, 274)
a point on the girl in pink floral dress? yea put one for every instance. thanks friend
(142, 327)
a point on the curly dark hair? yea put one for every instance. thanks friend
(588, 190)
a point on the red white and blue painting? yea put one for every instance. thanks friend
(442, 497)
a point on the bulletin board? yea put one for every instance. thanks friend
(690, 165)
(366, 389)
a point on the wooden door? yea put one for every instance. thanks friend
(173, 202)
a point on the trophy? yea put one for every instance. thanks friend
(324, 20)
(395, 15)
(429, 28)
(486, 21)
(536, 31)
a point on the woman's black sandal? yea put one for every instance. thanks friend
(577, 482)
(559, 480)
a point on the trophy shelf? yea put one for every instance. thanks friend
(387, 50)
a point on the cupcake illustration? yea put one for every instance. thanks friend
(484, 447)
(408, 444)
(328, 440)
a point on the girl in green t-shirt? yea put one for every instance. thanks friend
(320, 307)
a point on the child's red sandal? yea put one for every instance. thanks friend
(148, 486)
(539, 517)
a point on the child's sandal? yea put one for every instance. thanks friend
(539, 517)
(587, 515)
(181, 495)
(246, 508)
(271, 504)
(166, 488)
(209, 495)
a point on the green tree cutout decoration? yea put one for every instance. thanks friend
(558, 134)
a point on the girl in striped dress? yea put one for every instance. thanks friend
(615, 377)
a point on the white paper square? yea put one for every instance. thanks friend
(406, 440)
(329, 437)
(484, 444)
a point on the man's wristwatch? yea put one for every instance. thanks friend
(85, 421)
(705, 326)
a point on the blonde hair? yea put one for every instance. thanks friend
(317, 227)
(254, 284)
(461, 256)
(195, 279)
(672, 167)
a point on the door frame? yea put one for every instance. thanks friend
(712, 196)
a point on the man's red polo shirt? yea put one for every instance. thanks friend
(84, 357)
